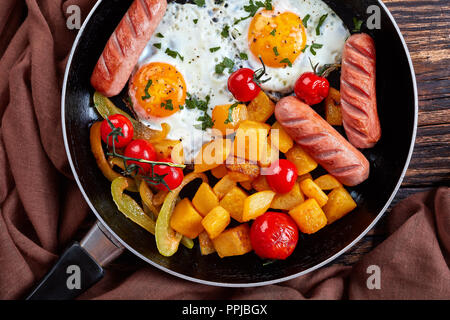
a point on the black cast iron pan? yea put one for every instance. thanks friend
(397, 101)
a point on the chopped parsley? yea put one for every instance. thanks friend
(306, 47)
(159, 35)
(157, 45)
(357, 25)
(147, 95)
(287, 61)
(207, 122)
(319, 25)
(225, 31)
(273, 32)
(174, 54)
(194, 103)
(168, 105)
(227, 63)
(275, 50)
(200, 3)
(214, 49)
(305, 20)
(243, 56)
(314, 47)
(195, 21)
(253, 7)
(230, 113)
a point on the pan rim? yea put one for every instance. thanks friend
(252, 284)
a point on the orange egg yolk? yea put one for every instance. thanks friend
(276, 37)
(160, 89)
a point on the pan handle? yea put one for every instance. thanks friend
(79, 267)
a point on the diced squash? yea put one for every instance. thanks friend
(333, 112)
(281, 140)
(301, 159)
(250, 140)
(247, 185)
(216, 221)
(261, 108)
(219, 172)
(304, 177)
(172, 149)
(206, 244)
(312, 190)
(186, 220)
(212, 155)
(261, 184)
(239, 177)
(288, 200)
(257, 204)
(205, 199)
(244, 167)
(327, 182)
(233, 202)
(340, 202)
(233, 242)
(223, 186)
(309, 216)
(269, 154)
(221, 115)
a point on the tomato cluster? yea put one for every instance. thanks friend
(139, 149)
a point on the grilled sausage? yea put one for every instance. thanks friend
(322, 142)
(126, 44)
(358, 93)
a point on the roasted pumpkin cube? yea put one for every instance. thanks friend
(247, 185)
(233, 242)
(216, 221)
(212, 155)
(304, 177)
(241, 169)
(206, 244)
(233, 202)
(333, 110)
(250, 140)
(340, 202)
(257, 204)
(205, 199)
(301, 159)
(327, 182)
(219, 172)
(186, 220)
(309, 216)
(261, 184)
(269, 154)
(288, 200)
(226, 120)
(312, 190)
(282, 141)
(223, 186)
(261, 108)
(172, 149)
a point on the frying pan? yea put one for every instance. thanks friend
(113, 233)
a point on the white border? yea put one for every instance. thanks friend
(240, 285)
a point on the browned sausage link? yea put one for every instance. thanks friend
(126, 44)
(358, 92)
(322, 142)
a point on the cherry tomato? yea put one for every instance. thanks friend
(311, 88)
(173, 178)
(242, 85)
(274, 235)
(141, 149)
(282, 176)
(119, 121)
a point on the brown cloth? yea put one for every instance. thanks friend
(42, 209)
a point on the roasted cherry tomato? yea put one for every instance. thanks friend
(282, 176)
(141, 149)
(311, 88)
(174, 176)
(274, 235)
(242, 85)
(118, 121)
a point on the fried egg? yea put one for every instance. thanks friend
(195, 49)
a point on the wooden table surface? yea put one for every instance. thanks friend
(424, 25)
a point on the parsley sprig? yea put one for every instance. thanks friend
(253, 7)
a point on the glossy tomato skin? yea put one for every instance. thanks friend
(242, 85)
(119, 121)
(274, 235)
(311, 88)
(141, 149)
(283, 176)
(173, 178)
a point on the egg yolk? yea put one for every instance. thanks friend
(276, 37)
(160, 89)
